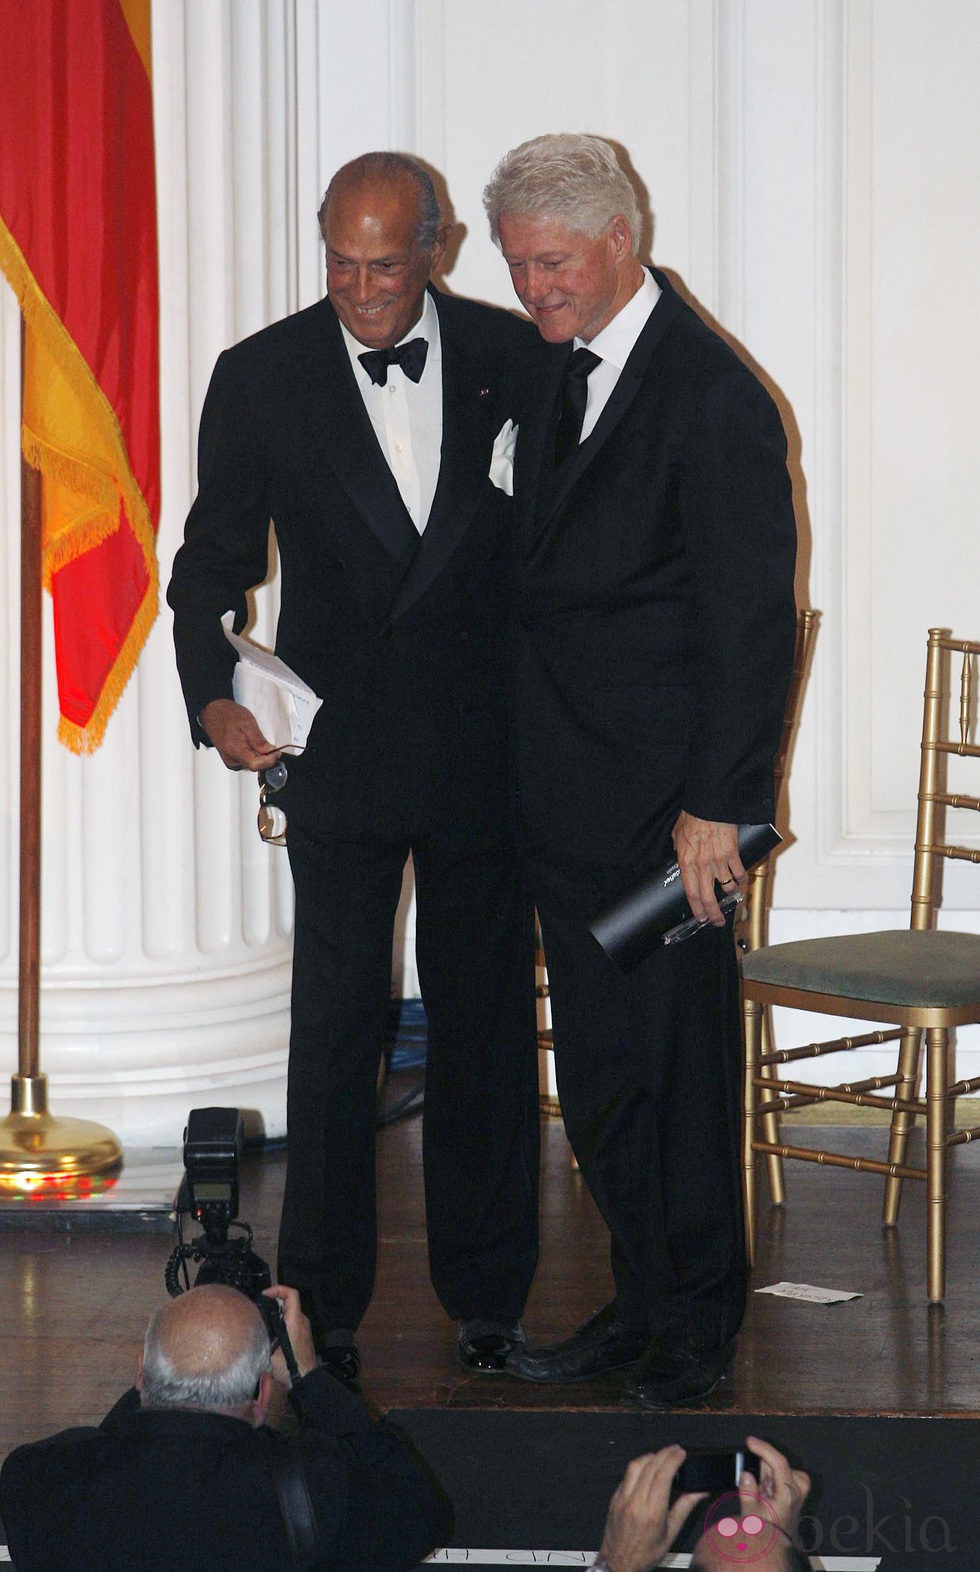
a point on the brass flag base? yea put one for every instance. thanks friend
(38, 1149)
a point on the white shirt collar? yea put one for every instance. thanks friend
(617, 338)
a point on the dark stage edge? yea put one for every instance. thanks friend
(139, 1198)
(899, 1491)
(899, 1495)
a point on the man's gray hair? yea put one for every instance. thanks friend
(164, 1386)
(391, 166)
(573, 178)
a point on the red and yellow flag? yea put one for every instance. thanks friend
(78, 242)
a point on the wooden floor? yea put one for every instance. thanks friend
(73, 1306)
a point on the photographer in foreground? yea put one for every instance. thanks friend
(184, 1472)
(756, 1528)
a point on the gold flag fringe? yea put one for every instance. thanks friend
(87, 529)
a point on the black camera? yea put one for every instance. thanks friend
(213, 1143)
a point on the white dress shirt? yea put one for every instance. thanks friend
(614, 345)
(407, 415)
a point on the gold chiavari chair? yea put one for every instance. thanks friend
(920, 981)
(752, 925)
(548, 1101)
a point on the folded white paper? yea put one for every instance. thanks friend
(282, 703)
(813, 1296)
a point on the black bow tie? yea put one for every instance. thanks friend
(410, 356)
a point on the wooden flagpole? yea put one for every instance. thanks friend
(38, 1151)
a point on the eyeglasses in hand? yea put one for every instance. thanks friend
(272, 818)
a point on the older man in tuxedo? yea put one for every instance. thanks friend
(657, 619)
(375, 430)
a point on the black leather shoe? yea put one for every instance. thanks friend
(603, 1343)
(485, 1345)
(670, 1374)
(343, 1360)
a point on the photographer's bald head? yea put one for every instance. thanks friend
(207, 1350)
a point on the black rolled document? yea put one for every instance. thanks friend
(633, 925)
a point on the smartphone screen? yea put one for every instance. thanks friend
(706, 1469)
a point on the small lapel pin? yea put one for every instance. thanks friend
(484, 392)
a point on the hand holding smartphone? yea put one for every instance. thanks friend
(706, 1468)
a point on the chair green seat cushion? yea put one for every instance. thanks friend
(895, 966)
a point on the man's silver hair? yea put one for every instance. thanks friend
(573, 178)
(165, 1387)
(391, 166)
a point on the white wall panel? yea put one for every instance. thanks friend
(495, 72)
(916, 83)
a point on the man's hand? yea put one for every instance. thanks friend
(300, 1334)
(785, 1488)
(235, 733)
(642, 1525)
(708, 850)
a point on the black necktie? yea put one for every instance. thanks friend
(573, 396)
(410, 356)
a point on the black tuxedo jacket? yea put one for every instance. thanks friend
(163, 1490)
(657, 611)
(402, 636)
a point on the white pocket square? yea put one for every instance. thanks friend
(502, 458)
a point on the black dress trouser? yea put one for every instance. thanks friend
(474, 946)
(648, 1072)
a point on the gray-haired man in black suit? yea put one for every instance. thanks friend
(657, 625)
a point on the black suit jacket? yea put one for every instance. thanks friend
(402, 636)
(657, 611)
(165, 1490)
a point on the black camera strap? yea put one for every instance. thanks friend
(294, 1501)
